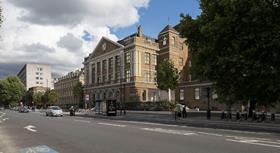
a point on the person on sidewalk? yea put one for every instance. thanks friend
(184, 112)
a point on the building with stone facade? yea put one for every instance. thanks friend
(125, 70)
(64, 88)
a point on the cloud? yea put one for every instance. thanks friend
(47, 31)
(38, 47)
(70, 42)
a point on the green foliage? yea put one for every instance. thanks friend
(38, 98)
(49, 97)
(11, 90)
(167, 76)
(235, 44)
(78, 93)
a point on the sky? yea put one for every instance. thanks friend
(62, 32)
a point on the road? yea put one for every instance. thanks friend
(22, 131)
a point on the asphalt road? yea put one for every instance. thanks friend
(23, 132)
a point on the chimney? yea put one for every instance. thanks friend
(139, 31)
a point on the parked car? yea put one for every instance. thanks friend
(54, 111)
(23, 110)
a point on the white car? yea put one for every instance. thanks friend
(54, 111)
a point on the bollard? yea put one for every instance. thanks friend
(237, 117)
(223, 115)
(208, 114)
(272, 118)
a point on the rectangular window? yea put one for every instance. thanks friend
(104, 66)
(37, 78)
(181, 94)
(37, 82)
(197, 93)
(127, 58)
(181, 61)
(111, 64)
(128, 76)
(155, 76)
(37, 73)
(154, 59)
(41, 73)
(147, 76)
(93, 73)
(173, 40)
(41, 78)
(147, 58)
(41, 69)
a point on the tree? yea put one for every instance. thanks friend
(38, 98)
(49, 97)
(167, 77)
(78, 93)
(235, 44)
(11, 90)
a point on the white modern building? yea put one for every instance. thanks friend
(36, 75)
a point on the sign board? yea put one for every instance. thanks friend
(87, 97)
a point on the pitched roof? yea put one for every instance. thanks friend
(167, 28)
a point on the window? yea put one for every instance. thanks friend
(144, 95)
(181, 94)
(164, 41)
(41, 82)
(147, 76)
(37, 73)
(181, 46)
(181, 61)
(173, 40)
(41, 69)
(190, 63)
(155, 76)
(127, 58)
(41, 78)
(111, 64)
(37, 78)
(41, 73)
(147, 58)
(93, 73)
(128, 76)
(196, 93)
(154, 59)
(37, 82)
(104, 66)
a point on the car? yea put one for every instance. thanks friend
(54, 111)
(23, 110)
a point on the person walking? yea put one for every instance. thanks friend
(184, 112)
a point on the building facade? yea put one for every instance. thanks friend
(36, 75)
(126, 70)
(64, 88)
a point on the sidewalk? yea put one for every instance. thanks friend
(198, 121)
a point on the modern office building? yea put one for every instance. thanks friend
(36, 75)
(126, 70)
(64, 88)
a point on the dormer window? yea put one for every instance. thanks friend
(164, 41)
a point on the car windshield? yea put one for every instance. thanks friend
(55, 108)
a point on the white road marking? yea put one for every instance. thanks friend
(117, 125)
(255, 142)
(84, 121)
(250, 138)
(30, 128)
(177, 132)
(212, 134)
(149, 123)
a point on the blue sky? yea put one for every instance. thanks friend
(155, 17)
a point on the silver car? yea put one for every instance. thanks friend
(54, 111)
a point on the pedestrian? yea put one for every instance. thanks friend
(184, 112)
